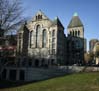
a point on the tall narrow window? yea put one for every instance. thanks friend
(39, 16)
(75, 33)
(19, 46)
(78, 33)
(53, 33)
(37, 35)
(70, 33)
(30, 39)
(20, 38)
(44, 37)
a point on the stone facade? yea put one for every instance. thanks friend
(42, 41)
(42, 47)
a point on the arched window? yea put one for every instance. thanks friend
(53, 33)
(44, 38)
(78, 33)
(39, 17)
(70, 33)
(20, 41)
(37, 35)
(75, 33)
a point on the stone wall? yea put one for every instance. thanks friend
(76, 69)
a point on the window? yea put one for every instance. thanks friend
(41, 17)
(78, 33)
(44, 37)
(37, 35)
(19, 46)
(70, 33)
(53, 40)
(75, 33)
(53, 45)
(31, 38)
(38, 17)
(49, 33)
(53, 33)
(20, 35)
(53, 51)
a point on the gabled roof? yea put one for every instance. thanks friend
(75, 21)
(57, 22)
(40, 13)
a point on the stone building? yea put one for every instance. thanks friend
(41, 41)
(96, 53)
(92, 43)
(76, 44)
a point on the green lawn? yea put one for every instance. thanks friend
(73, 82)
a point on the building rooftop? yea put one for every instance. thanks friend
(57, 22)
(75, 21)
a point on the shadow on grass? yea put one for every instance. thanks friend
(10, 84)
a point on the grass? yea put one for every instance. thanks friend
(73, 82)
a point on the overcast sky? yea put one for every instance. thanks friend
(88, 11)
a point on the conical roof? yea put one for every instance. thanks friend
(57, 22)
(75, 21)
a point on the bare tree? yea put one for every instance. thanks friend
(10, 14)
